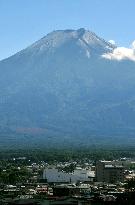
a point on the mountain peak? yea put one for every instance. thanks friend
(83, 37)
(81, 31)
(60, 90)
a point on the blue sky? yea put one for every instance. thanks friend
(24, 21)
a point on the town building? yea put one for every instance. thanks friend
(110, 172)
(53, 175)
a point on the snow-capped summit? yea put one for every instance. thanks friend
(87, 39)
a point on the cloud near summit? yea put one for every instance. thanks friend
(121, 53)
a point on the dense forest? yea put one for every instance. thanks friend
(50, 155)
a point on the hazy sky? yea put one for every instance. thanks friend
(24, 21)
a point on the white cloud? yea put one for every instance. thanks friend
(121, 53)
(133, 45)
(112, 42)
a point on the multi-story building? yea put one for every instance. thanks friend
(107, 171)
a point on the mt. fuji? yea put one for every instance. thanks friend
(62, 90)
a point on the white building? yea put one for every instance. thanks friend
(54, 175)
